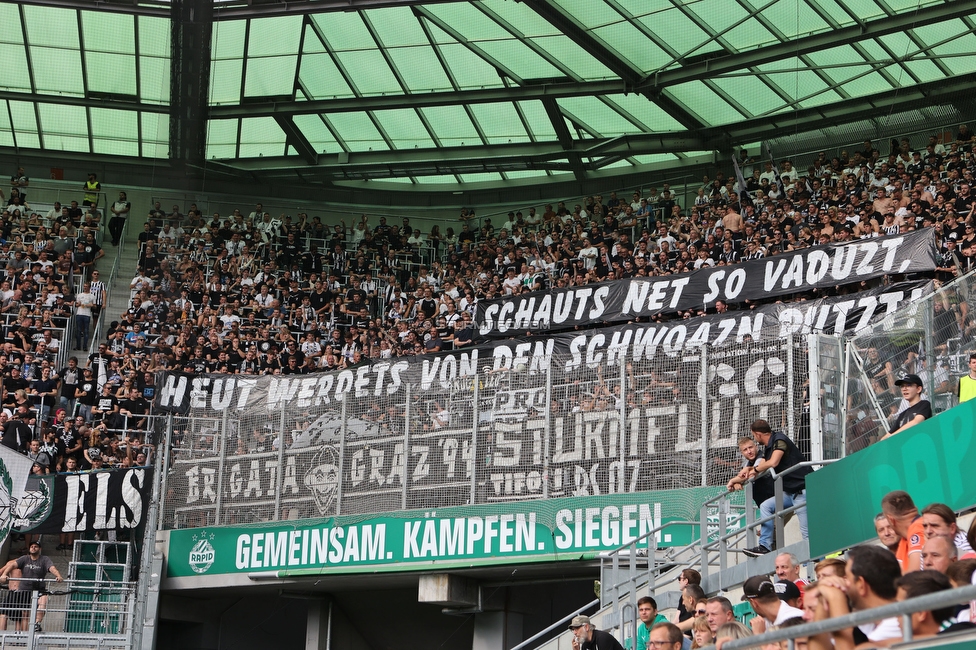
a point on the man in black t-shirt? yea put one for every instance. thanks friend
(87, 394)
(70, 377)
(779, 453)
(918, 409)
(134, 406)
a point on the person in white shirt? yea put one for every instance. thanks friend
(588, 254)
(768, 600)
(141, 281)
(84, 302)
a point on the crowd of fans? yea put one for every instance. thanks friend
(59, 414)
(255, 294)
(917, 553)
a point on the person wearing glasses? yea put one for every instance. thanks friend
(587, 637)
(665, 636)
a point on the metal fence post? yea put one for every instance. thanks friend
(166, 461)
(220, 466)
(816, 414)
(476, 415)
(342, 456)
(280, 476)
(790, 395)
(843, 351)
(778, 520)
(546, 444)
(703, 397)
(750, 516)
(703, 532)
(622, 482)
(406, 446)
(929, 319)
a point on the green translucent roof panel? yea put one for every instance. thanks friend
(24, 121)
(274, 36)
(397, 27)
(317, 133)
(111, 73)
(404, 128)
(451, 125)
(261, 136)
(155, 135)
(468, 69)
(320, 77)
(598, 116)
(509, 54)
(225, 81)
(271, 75)
(420, 69)
(752, 93)
(222, 138)
(436, 179)
(6, 130)
(357, 131)
(702, 101)
(538, 120)
(500, 123)
(108, 32)
(14, 73)
(370, 72)
(650, 115)
(12, 31)
(344, 31)
(64, 127)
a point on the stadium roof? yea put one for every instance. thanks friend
(423, 93)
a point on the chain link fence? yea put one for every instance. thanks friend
(931, 338)
(463, 430)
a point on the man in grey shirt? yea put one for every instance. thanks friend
(33, 569)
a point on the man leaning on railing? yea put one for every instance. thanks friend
(33, 568)
(780, 453)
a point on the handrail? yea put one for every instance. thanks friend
(555, 625)
(918, 604)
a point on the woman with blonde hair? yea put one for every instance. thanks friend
(701, 633)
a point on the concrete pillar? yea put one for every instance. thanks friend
(496, 630)
(319, 626)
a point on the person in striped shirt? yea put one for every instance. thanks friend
(100, 291)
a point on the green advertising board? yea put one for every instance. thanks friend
(526, 531)
(934, 461)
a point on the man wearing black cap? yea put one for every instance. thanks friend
(918, 409)
(587, 637)
(768, 600)
(33, 568)
(779, 453)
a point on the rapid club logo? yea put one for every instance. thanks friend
(202, 554)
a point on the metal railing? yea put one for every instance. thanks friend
(555, 626)
(903, 610)
(643, 567)
(98, 327)
(73, 614)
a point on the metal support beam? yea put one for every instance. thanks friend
(297, 139)
(565, 137)
(517, 155)
(844, 111)
(872, 29)
(630, 80)
(191, 28)
(420, 100)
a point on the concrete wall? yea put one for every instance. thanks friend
(364, 619)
